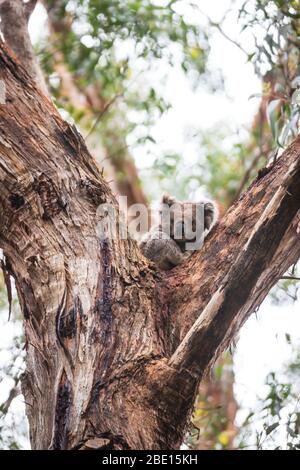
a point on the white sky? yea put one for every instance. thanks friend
(262, 346)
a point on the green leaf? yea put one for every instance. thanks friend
(272, 114)
(271, 428)
(218, 371)
(292, 432)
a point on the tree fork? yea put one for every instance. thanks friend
(115, 349)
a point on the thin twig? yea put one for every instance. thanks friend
(218, 27)
(101, 114)
(109, 104)
(293, 278)
(246, 177)
(14, 392)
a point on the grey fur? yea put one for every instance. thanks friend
(160, 244)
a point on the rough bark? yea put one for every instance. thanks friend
(116, 349)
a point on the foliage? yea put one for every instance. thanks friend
(218, 166)
(119, 47)
(13, 427)
(225, 166)
(3, 297)
(215, 408)
(277, 53)
(276, 422)
(147, 28)
(286, 290)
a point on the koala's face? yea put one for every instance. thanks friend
(183, 221)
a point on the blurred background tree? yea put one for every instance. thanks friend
(108, 65)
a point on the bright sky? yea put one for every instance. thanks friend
(262, 346)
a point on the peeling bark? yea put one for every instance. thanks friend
(115, 349)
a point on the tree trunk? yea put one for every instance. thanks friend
(115, 349)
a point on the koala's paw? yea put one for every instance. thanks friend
(210, 215)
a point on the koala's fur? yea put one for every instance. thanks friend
(161, 246)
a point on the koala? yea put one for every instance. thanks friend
(177, 235)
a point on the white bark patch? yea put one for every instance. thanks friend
(202, 323)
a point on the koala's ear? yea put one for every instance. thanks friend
(167, 199)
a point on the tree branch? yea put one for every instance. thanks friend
(14, 392)
(264, 249)
(218, 26)
(291, 278)
(14, 16)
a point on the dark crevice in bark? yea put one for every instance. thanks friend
(104, 304)
(69, 321)
(16, 200)
(62, 413)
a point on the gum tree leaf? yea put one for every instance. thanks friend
(271, 428)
